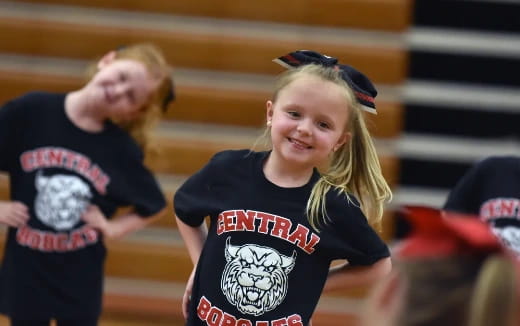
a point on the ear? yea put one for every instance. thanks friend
(269, 111)
(344, 138)
(106, 59)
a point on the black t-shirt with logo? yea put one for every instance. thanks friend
(491, 189)
(262, 263)
(53, 266)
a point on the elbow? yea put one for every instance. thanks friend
(383, 267)
(145, 221)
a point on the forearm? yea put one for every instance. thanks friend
(126, 224)
(345, 277)
(194, 238)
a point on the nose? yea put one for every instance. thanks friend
(121, 89)
(254, 277)
(304, 126)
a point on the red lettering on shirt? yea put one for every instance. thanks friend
(500, 208)
(276, 226)
(56, 242)
(214, 316)
(45, 157)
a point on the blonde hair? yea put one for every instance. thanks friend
(153, 59)
(354, 168)
(459, 291)
(494, 298)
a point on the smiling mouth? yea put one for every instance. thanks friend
(299, 144)
(108, 95)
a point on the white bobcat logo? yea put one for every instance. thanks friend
(510, 237)
(255, 277)
(61, 200)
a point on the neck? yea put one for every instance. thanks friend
(284, 174)
(81, 114)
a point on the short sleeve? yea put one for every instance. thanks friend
(355, 239)
(137, 185)
(192, 201)
(150, 199)
(9, 125)
(463, 197)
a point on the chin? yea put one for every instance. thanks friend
(297, 159)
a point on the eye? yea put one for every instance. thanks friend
(294, 114)
(243, 263)
(323, 125)
(270, 269)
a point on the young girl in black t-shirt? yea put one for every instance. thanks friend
(448, 270)
(73, 159)
(276, 222)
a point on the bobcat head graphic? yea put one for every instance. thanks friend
(61, 200)
(255, 277)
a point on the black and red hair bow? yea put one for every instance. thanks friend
(363, 88)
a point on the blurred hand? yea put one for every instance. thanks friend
(94, 218)
(13, 213)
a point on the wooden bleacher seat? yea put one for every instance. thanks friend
(199, 104)
(206, 117)
(388, 15)
(186, 48)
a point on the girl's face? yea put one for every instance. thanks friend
(121, 88)
(308, 121)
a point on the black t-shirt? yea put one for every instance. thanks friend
(262, 263)
(53, 266)
(491, 189)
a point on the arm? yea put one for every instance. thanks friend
(345, 276)
(13, 213)
(194, 239)
(118, 227)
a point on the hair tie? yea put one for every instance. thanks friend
(363, 88)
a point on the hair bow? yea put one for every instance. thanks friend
(363, 88)
(435, 233)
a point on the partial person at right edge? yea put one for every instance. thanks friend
(449, 270)
(491, 190)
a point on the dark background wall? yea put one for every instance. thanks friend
(462, 96)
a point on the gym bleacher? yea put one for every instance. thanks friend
(221, 53)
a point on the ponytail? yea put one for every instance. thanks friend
(494, 298)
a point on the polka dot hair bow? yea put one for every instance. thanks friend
(363, 88)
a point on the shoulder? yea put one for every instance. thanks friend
(126, 146)
(340, 204)
(32, 102)
(496, 164)
(35, 98)
(231, 158)
(493, 162)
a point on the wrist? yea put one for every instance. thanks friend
(107, 230)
